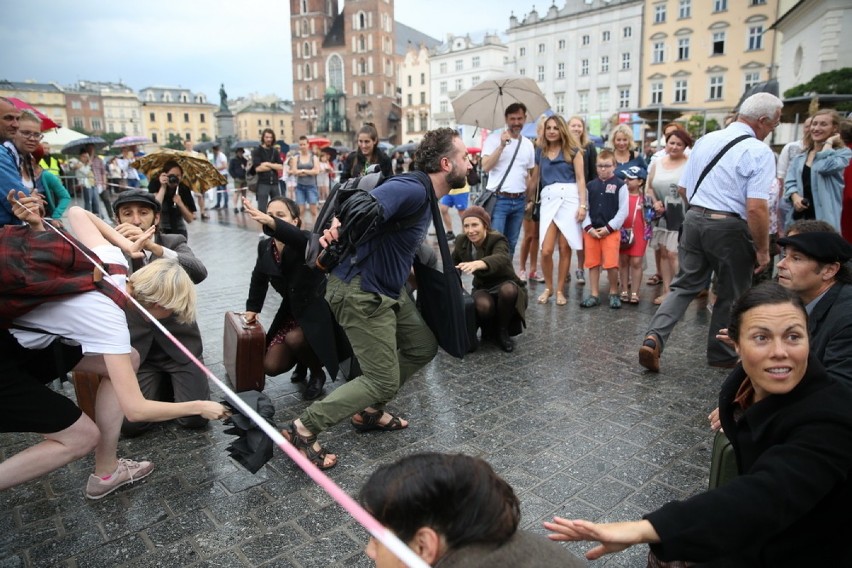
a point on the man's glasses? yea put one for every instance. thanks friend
(31, 135)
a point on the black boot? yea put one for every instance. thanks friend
(504, 341)
(315, 385)
(300, 373)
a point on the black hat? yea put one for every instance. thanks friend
(821, 246)
(136, 196)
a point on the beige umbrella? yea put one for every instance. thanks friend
(484, 104)
(198, 173)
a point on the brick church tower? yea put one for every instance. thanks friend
(344, 68)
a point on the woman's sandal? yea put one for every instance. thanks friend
(634, 298)
(306, 446)
(545, 296)
(370, 421)
(654, 280)
(625, 297)
(561, 300)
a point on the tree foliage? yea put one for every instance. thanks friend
(696, 127)
(837, 82)
(175, 142)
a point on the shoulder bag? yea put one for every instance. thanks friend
(488, 198)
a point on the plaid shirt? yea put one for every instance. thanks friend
(41, 266)
(99, 169)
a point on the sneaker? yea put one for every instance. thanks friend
(126, 472)
(590, 302)
(580, 276)
(536, 277)
(614, 302)
(522, 275)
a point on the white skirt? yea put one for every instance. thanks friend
(559, 205)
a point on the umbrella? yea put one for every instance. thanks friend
(385, 146)
(342, 149)
(474, 150)
(319, 142)
(403, 148)
(75, 146)
(61, 136)
(131, 141)
(203, 146)
(46, 122)
(283, 147)
(252, 448)
(198, 173)
(484, 105)
(331, 151)
(245, 144)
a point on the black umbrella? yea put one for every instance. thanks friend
(342, 149)
(409, 147)
(204, 146)
(245, 144)
(331, 151)
(75, 146)
(252, 448)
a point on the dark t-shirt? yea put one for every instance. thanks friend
(171, 221)
(385, 269)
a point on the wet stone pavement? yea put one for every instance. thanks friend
(569, 419)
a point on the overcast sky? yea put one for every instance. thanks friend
(197, 45)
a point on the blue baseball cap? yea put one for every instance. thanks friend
(634, 172)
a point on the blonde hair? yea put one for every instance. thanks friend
(567, 142)
(165, 283)
(584, 138)
(623, 129)
(807, 141)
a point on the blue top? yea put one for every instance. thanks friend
(385, 269)
(10, 178)
(557, 170)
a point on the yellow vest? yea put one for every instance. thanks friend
(52, 167)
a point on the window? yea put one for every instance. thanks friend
(474, 62)
(586, 39)
(758, 2)
(522, 51)
(201, 118)
(659, 52)
(560, 70)
(442, 87)
(410, 101)
(625, 61)
(442, 68)
(659, 14)
(422, 98)
(656, 93)
(720, 5)
(154, 137)
(603, 100)
(522, 71)
(583, 102)
(335, 72)
(755, 37)
(605, 64)
(540, 73)
(605, 35)
(443, 106)
(561, 44)
(683, 48)
(186, 117)
(410, 123)
(459, 65)
(423, 78)
(541, 48)
(680, 91)
(459, 84)
(716, 84)
(584, 67)
(474, 80)
(751, 79)
(152, 117)
(96, 124)
(76, 105)
(718, 43)
(78, 122)
(188, 136)
(168, 117)
(627, 32)
(560, 103)
(684, 9)
(409, 80)
(93, 105)
(306, 47)
(624, 98)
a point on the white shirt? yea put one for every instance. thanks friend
(516, 181)
(220, 162)
(790, 151)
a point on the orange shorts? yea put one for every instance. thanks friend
(602, 251)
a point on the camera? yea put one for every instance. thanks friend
(173, 179)
(805, 202)
(330, 257)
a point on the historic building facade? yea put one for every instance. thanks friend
(173, 111)
(49, 98)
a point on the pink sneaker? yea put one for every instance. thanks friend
(126, 472)
(522, 275)
(536, 277)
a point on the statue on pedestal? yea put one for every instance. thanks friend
(223, 98)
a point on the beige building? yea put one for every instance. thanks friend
(252, 118)
(705, 53)
(49, 98)
(414, 81)
(173, 111)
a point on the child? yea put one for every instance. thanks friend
(608, 203)
(97, 323)
(630, 259)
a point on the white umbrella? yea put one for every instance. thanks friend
(61, 136)
(484, 104)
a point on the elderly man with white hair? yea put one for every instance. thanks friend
(726, 231)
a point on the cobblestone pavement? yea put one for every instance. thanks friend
(569, 419)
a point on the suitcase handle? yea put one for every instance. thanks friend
(245, 322)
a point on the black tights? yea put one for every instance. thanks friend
(495, 310)
(282, 357)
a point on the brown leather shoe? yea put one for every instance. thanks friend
(649, 353)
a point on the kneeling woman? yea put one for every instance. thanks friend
(303, 330)
(789, 424)
(500, 300)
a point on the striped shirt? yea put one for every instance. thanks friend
(744, 172)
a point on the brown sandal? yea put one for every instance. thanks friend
(370, 421)
(306, 446)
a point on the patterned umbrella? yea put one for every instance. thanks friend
(75, 146)
(131, 141)
(198, 173)
(46, 122)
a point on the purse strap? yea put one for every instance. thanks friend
(512, 161)
(715, 160)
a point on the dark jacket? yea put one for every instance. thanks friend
(171, 220)
(302, 291)
(830, 329)
(237, 167)
(352, 169)
(523, 550)
(494, 252)
(790, 504)
(262, 154)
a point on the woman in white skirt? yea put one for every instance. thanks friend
(560, 173)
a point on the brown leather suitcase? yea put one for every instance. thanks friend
(243, 348)
(86, 388)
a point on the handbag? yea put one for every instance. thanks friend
(488, 198)
(627, 235)
(535, 214)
